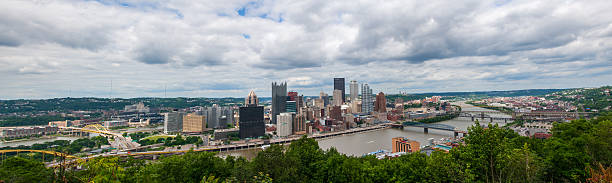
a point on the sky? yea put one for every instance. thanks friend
(148, 48)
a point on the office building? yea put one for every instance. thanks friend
(251, 121)
(173, 122)
(212, 116)
(251, 99)
(336, 113)
(339, 85)
(291, 106)
(285, 123)
(299, 124)
(293, 96)
(325, 98)
(381, 103)
(367, 105)
(226, 117)
(337, 98)
(401, 144)
(193, 123)
(300, 101)
(279, 99)
(354, 90)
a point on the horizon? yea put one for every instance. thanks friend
(238, 97)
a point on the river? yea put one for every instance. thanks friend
(362, 143)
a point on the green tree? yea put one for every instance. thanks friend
(16, 169)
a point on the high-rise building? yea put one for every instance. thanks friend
(279, 99)
(251, 121)
(293, 96)
(193, 123)
(226, 117)
(324, 97)
(285, 123)
(251, 99)
(339, 85)
(173, 122)
(291, 106)
(299, 123)
(300, 102)
(367, 105)
(354, 87)
(212, 116)
(337, 98)
(335, 113)
(381, 103)
(401, 144)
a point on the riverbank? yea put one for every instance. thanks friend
(444, 117)
(500, 109)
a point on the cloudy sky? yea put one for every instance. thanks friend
(227, 48)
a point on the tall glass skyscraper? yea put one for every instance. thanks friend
(339, 85)
(279, 99)
(367, 104)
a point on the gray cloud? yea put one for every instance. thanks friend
(202, 48)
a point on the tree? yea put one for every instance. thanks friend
(486, 151)
(16, 169)
(307, 153)
(102, 169)
(273, 161)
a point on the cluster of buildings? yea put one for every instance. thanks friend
(290, 113)
(18, 132)
(529, 103)
(287, 114)
(199, 119)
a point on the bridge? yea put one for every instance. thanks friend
(121, 142)
(531, 116)
(73, 160)
(437, 126)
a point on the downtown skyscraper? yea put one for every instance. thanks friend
(354, 87)
(339, 85)
(367, 104)
(279, 99)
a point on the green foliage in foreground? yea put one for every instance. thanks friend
(491, 154)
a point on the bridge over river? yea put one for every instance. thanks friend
(437, 126)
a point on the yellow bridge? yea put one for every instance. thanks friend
(38, 151)
(96, 128)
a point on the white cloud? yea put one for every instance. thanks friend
(209, 49)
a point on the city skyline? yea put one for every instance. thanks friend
(190, 49)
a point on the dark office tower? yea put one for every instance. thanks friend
(339, 85)
(251, 121)
(279, 99)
